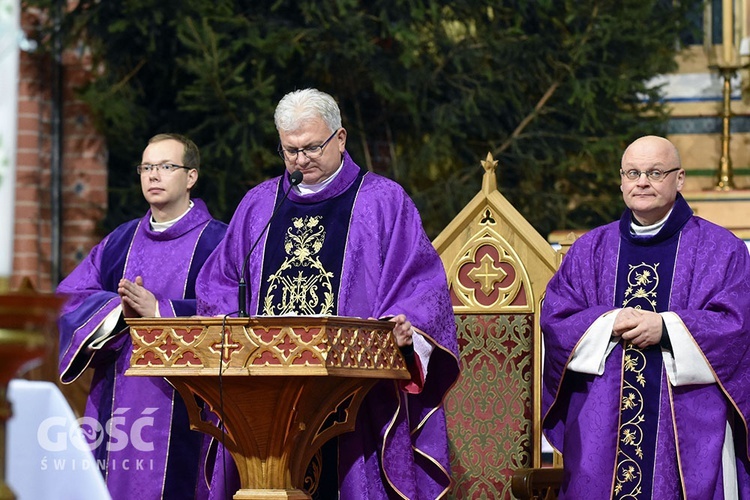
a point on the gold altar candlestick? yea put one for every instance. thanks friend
(726, 62)
(727, 30)
(725, 175)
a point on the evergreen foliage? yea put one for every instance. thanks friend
(554, 89)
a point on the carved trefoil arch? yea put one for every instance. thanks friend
(488, 274)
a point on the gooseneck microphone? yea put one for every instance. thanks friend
(294, 179)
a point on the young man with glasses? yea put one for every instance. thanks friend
(147, 267)
(348, 242)
(646, 327)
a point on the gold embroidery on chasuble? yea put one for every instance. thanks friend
(630, 453)
(637, 425)
(301, 285)
(643, 280)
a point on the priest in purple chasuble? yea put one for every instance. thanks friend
(348, 242)
(646, 331)
(137, 427)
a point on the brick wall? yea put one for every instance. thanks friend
(84, 176)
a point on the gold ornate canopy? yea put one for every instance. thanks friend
(498, 266)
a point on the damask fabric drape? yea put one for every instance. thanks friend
(710, 293)
(491, 405)
(382, 264)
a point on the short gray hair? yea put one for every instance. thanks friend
(300, 106)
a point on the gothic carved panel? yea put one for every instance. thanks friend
(488, 275)
(317, 346)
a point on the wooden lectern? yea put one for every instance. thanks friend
(282, 386)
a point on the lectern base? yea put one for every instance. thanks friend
(271, 494)
(286, 385)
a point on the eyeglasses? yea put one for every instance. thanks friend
(652, 175)
(164, 168)
(310, 153)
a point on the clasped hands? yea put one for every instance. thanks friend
(137, 301)
(640, 328)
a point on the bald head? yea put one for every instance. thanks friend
(655, 147)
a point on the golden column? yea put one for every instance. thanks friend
(726, 62)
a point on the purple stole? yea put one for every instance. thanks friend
(304, 255)
(645, 273)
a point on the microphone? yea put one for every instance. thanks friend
(294, 179)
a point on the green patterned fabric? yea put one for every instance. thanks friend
(489, 410)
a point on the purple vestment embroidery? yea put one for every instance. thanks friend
(711, 294)
(389, 267)
(644, 281)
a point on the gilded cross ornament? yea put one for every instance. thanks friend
(226, 347)
(487, 274)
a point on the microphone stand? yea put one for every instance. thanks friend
(294, 179)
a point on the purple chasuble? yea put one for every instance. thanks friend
(388, 266)
(710, 293)
(137, 426)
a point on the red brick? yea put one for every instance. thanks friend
(28, 124)
(27, 141)
(84, 163)
(25, 213)
(27, 108)
(27, 158)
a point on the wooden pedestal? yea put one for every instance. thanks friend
(282, 386)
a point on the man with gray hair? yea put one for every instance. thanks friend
(350, 243)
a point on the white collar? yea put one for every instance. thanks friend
(306, 189)
(160, 227)
(651, 230)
